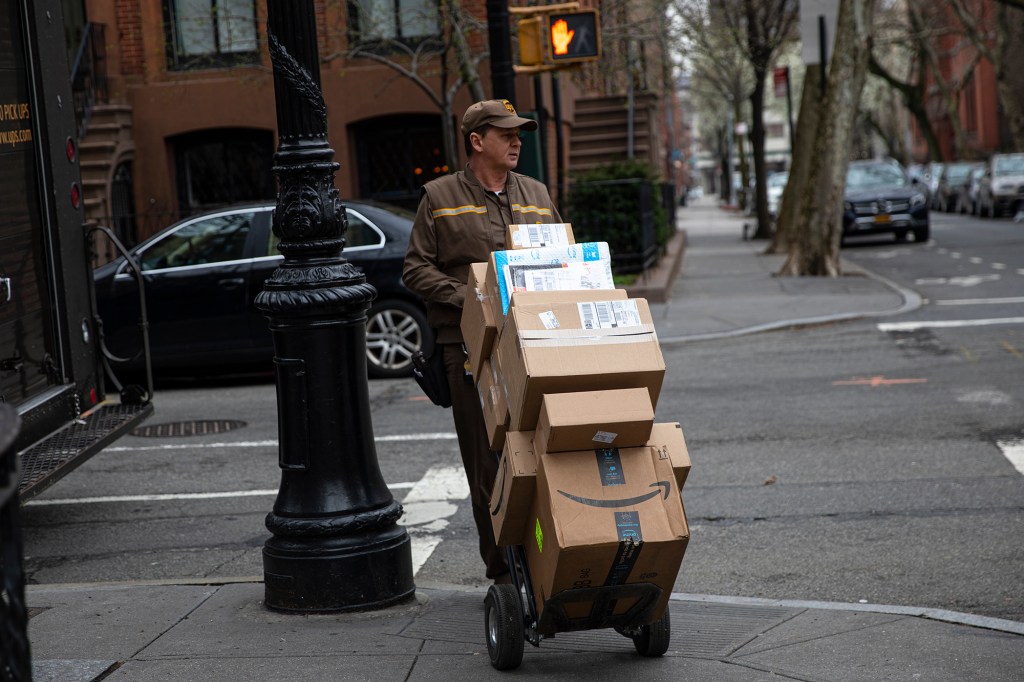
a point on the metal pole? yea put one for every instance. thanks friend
(502, 74)
(822, 42)
(542, 125)
(728, 155)
(789, 116)
(556, 105)
(336, 544)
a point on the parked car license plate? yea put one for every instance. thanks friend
(883, 219)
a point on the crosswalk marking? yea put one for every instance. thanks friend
(428, 506)
(981, 301)
(914, 326)
(272, 443)
(1014, 451)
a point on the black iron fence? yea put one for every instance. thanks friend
(15, 658)
(633, 216)
(89, 74)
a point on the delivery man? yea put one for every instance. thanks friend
(461, 219)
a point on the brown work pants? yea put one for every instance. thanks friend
(479, 461)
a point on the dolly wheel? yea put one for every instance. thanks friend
(503, 620)
(652, 640)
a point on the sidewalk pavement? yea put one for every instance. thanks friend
(220, 631)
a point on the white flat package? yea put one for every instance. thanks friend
(553, 268)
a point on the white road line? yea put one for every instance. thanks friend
(165, 497)
(998, 266)
(1014, 451)
(914, 326)
(975, 260)
(981, 301)
(428, 506)
(271, 443)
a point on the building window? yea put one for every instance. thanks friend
(776, 130)
(222, 167)
(210, 33)
(382, 21)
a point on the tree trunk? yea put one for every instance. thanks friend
(814, 249)
(764, 230)
(1010, 31)
(800, 164)
(741, 152)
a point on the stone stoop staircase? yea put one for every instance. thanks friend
(600, 131)
(107, 142)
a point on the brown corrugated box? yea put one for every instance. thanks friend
(604, 518)
(529, 236)
(668, 440)
(514, 486)
(493, 403)
(537, 359)
(479, 329)
(594, 419)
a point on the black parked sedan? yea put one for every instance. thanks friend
(881, 199)
(202, 275)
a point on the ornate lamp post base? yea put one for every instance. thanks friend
(336, 543)
(353, 573)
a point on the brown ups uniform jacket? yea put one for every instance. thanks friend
(448, 236)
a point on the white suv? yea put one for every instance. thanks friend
(1001, 188)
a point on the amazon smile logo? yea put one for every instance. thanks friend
(627, 502)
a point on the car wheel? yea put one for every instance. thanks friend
(901, 235)
(921, 234)
(395, 329)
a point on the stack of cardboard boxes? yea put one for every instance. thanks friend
(569, 370)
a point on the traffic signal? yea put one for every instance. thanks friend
(574, 37)
(531, 44)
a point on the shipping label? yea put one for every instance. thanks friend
(609, 314)
(609, 465)
(541, 234)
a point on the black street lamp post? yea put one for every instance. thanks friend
(336, 544)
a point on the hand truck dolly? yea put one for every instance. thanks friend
(508, 626)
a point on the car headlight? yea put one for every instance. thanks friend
(917, 200)
(1002, 186)
(848, 207)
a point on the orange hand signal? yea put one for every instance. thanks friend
(561, 36)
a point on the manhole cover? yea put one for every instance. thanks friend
(201, 427)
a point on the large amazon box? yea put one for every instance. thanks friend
(568, 296)
(594, 419)
(568, 347)
(605, 518)
(668, 441)
(536, 235)
(479, 329)
(493, 403)
(514, 486)
(550, 268)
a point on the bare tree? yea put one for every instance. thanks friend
(899, 59)
(758, 28)
(439, 66)
(993, 40)
(815, 236)
(721, 77)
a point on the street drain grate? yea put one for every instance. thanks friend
(200, 427)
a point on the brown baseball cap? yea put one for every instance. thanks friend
(496, 112)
